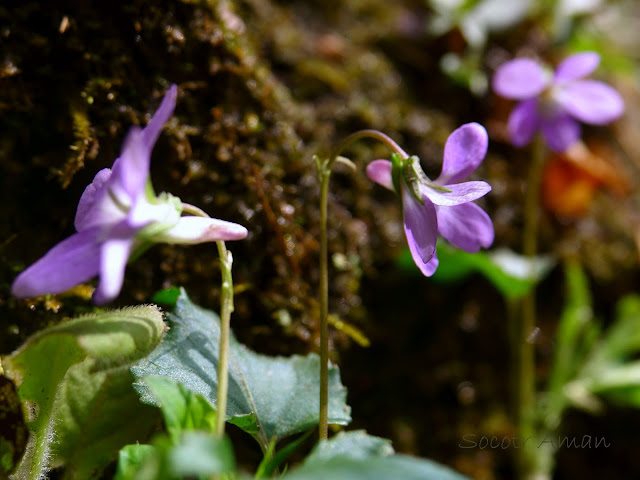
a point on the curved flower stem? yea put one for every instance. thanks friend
(226, 307)
(324, 173)
(374, 134)
(527, 463)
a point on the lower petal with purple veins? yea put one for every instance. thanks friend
(420, 228)
(71, 262)
(458, 193)
(466, 226)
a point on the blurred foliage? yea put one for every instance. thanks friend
(592, 364)
(513, 275)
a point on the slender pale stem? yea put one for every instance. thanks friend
(374, 134)
(226, 307)
(324, 173)
(526, 361)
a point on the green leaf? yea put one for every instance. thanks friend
(612, 369)
(182, 409)
(357, 445)
(131, 459)
(397, 467)
(200, 453)
(196, 454)
(358, 456)
(269, 397)
(75, 381)
(270, 462)
(576, 332)
(167, 297)
(623, 338)
(513, 275)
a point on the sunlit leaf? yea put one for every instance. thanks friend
(269, 397)
(75, 379)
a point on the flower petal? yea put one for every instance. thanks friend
(420, 228)
(114, 256)
(591, 101)
(464, 151)
(131, 170)
(85, 214)
(192, 230)
(466, 226)
(524, 122)
(431, 266)
(162, 115)
(158, 217)
(560, 131)
(576, 66)
(379, 171)
(71, 262)
(520, 79)
(460, 193)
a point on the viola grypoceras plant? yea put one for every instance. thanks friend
(555, 102)
(442, 205)
(429, 207)
(118, 217)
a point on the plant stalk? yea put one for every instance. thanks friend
(527, 461)
(324, 173)
(226, 307)
(323, 426)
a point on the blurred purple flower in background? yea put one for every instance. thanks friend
(118, 217)
(553, 103)
(442, 206)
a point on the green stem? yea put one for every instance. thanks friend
(527, 461)
(324, 173)
(226, 307)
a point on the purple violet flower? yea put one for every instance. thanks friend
(554, 102)
(119, 217)
(442, 205)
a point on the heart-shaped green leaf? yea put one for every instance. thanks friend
(269, 397)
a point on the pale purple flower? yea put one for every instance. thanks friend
(441, 206)
(554, 102)
(118, 217)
